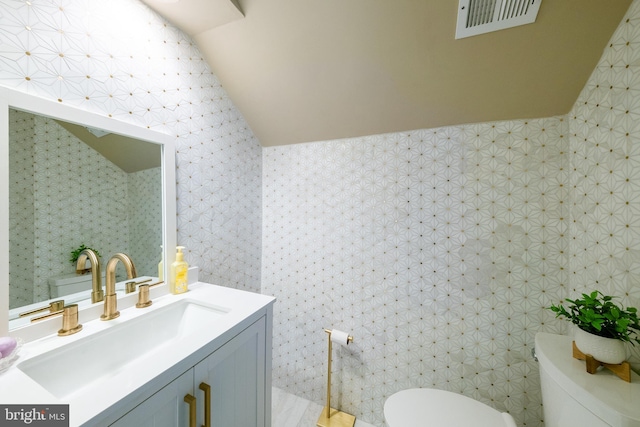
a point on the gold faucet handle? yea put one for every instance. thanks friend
(143, 297)
(131, 286)
(52, 307)
(70, 323)
(46, 316)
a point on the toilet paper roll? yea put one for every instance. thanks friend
(339, 337)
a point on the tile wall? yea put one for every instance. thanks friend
(604, 179)
(438, 249)
(121, 60)
(145, 210)
(21, 210)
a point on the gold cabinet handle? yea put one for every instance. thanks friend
(192, 409)
(207, 403)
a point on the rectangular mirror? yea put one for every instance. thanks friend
(74, 178)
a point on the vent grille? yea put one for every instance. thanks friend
(484, 16)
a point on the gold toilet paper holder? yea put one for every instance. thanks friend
(331, 417)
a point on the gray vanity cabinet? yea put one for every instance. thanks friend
(239, 394)
(166, 408)
(237, 376)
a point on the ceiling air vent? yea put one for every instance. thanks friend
(484, 16)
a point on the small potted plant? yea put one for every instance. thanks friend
(603, 326)
(76, 253)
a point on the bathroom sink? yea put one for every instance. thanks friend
(96, 358)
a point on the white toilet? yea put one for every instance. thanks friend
(426, 407)
(571, 397)
(70, 284)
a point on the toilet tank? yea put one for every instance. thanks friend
(70, 284)
(572, 397)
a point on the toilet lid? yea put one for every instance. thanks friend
(422, 407)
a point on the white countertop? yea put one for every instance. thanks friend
(134, 383)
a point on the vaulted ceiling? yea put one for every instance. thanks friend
(314, 70)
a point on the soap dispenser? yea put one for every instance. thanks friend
(179, 272)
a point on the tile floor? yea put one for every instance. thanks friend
(293, 411)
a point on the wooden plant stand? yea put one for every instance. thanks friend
(622, 370)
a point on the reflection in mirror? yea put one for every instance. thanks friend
(90, 187)
(71, 185)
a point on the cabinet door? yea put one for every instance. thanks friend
(236, 374)
(166, 408)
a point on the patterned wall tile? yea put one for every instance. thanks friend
(438, 249)
(121, 60)
(78, 198)
(605, 180)
(21, 211)
(145, 212)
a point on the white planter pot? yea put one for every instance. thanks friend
(606, 350)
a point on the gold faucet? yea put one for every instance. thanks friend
(97, 294)
(111, 300)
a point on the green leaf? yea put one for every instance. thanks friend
(598, 313)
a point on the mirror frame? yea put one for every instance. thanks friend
(10, 98)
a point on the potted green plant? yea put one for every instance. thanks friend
(603, 326)
(76, 253)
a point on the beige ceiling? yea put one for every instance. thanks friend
(129, 154)
(313, 70)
